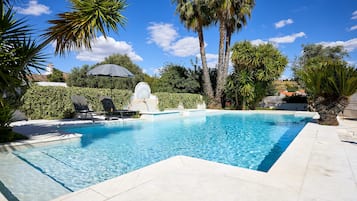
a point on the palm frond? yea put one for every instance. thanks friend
(76, 29)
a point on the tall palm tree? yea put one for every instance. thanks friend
(231, 15)
(77, 28)
(195, 15)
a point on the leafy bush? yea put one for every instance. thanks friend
(48, 102)
(172, 100)
(79, 78)
(56, 76)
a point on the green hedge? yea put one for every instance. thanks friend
(172, 100)
(49, 102)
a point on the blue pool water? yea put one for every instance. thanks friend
(253, 141)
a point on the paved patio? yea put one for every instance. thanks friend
(320, 164)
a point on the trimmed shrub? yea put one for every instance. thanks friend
(49, 102)
(172, 100)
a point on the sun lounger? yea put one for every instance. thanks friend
(81, 107)
(112, 112)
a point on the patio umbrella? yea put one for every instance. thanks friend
(110, 70)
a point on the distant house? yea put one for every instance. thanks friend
(299, 92)
(42, 79)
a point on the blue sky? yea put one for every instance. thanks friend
(154, 36)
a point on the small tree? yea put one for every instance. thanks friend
(178, 79)
(56, 76)
(255, 68)
(328, 80)
(329, 86)
(79, 78)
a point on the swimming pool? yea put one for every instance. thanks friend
(247, 140)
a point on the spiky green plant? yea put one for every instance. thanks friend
(77, 28)
(329, 85)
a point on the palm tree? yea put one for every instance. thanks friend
(79, 27)
(195, 15)
(329, 84)
(19, 53)
(232, 16)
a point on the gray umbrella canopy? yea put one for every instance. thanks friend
(110, 70)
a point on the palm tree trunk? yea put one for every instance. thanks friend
(207, 86)
(243, 103)
(226, 58)
(328, 109)
(220, 67)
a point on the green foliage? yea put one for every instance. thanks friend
(231, 16)
(77, 28)
(6, 112)
(178, 79)
(172, 100)
(255, 69)
(328, 80)
(47, 102)
(314, 54)
(323, 72)
(285, 85)
(56, 76)
(19, 54)
(79, 78)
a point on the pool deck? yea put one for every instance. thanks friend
(320, 164)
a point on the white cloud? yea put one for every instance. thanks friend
(166, 37)
(349, 45)
(353, 28)
(258, 42)
(212, 60)
(184, 47)
(354, 15)
(102, 48)
(287, 39)
(162, 34)
(283, 23)
(34, 8)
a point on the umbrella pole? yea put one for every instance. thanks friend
(111, 88)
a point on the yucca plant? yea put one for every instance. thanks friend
(329, 85)
(78, 27)
(19, 53)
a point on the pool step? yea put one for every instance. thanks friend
(25, 180)
(56, 169)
